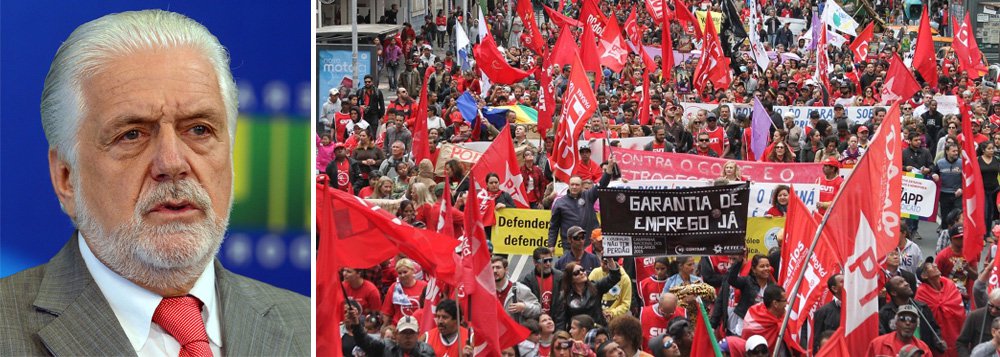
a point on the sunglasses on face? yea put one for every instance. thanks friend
(668, 344)
(578, 272)
(703, 140)
(563, 345)
(544, 261)
(577, 237)
(907, 318)
(779, 147)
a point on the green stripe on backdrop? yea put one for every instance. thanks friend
(271, 161)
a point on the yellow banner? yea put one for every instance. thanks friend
(520, 231)
(762, 234)
(716, 20)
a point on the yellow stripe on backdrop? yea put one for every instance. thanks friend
(242, 164)
(277, 195)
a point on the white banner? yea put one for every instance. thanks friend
(919, 197)
(855, 115)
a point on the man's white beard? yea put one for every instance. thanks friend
(143, 253)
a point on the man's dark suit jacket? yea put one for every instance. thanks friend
(58, 309)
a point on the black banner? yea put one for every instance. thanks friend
(692, 221)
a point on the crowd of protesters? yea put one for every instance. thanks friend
(580, 304)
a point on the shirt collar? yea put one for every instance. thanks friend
(134, 306)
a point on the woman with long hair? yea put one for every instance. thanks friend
(454, 171)
(989, 169)
(751, 286)
(780, 152)
(731, 171)
(779, 201)
(578, 295)
(383, 189)
(420, 195)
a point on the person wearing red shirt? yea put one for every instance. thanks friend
(829, 185)
(362, 291)
(448, 335)
(340, 169)
(952, 264)
(655, 318)
(702, 146)
(430, 214)
(945, 302)
(779, 202)
(403, 297)
(651, 286)
(533, 179)
(586, 168)
(907, 319)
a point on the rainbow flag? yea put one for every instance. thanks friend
(498, 115)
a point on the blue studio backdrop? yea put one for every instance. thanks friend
(269, 44)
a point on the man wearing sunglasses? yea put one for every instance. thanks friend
(545, 281)
(575, 253)
(906, 320)
(899, 294)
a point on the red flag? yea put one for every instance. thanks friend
(421, 143)
(565, 49)
(589, 55)
(632, 30)
(822, 74)
(713, 65)
(899, 82)
(546, 100)
(759, 321)
(592, 17)
(860, 45)
(863, 225)
(578, 104)
(477, 277)
(994, 281)
(499, 158)
(430, 300)
(561, 20)
(644, 111)
(533, 37)
(947, 308)
(701, 343)
(656, 9)
(924, 56)
(494, 65)
(329, 303)
(684, 16)
(800, 226)
(614, 52)
(967, 50)
(445, 221)
(973, 194)
(667, 47)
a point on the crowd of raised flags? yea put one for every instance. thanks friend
(574, 61)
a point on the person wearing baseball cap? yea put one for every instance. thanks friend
(407, 342)
(829, 184)
(757, 346)
(906, 321)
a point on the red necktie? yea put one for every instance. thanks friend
(181, 317)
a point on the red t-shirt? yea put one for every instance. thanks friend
(395, 312)
(441, 348)
(650, 290)
(654, 324)
(545, 289)
(828, 190)
(946, 261)
(717, 139)
(340, 125)
(344, 175)
(588, 171)
(367, 295)
(889, 345)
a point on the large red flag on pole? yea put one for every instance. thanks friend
(644, 110)
(713, 66)
(565, 49)
(924, 56)
(632, 31)
(589, 56)
(614, 51)
(966, 49)
(860, 45)
(494, 65)
(863, 225)
(684, 16)
(421, 143)
(667, 47)
(899, 82)
(499, 158)
(656, 9)
(561, 20)
(592, 17)
(579, 102)
(822, 73)
(973, 194)
(546, 100)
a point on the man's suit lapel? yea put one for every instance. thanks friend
(247, 329)
(84, 323)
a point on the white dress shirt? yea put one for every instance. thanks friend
(134, 307)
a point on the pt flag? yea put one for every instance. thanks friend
(863, 225)
(667, 51)
(924, 56)
(579, 102)
(589, 56)
(860, 45)
(592, 17)
(499, 158)
(494, 65)
(565, 49)
(546, 100)
(614, 51)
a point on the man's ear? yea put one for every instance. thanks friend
(60, 173)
